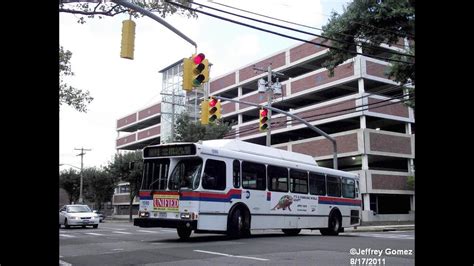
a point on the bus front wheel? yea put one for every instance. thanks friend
(184, 232)
(239, 224)
(334, 225)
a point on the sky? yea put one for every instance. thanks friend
(122, 86)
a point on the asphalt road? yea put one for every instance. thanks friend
(125, 244)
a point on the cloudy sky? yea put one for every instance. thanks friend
(120, 86)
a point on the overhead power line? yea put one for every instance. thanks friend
(288, 36)
(364, 108)
(301, 25)
(305, 32)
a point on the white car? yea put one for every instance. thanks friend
(77, 215)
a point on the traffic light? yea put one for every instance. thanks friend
(263, 119)
(128, 39)
(200, 70)
(214, 109)
(195, 71)
(205, 112)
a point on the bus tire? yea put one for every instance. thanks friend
(334, 225)
(183, 232)
(291, 232)
(239, 224)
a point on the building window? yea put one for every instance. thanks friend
(124, 189)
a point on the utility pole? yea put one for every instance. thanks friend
(81, 199)
(271, 88)
(270, 98)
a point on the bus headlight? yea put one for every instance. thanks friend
(144, 214)
(185, 215)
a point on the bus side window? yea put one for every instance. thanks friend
(254, 175)
(334, 186)
(357, 189)
(277, 178)
(348, 188)
(317, 184)
(298, 181)
(236, 173)
(214, 176)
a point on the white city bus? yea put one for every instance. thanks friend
(231, 186)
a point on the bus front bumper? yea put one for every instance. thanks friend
(165, 223)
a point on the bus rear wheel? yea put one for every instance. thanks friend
(184, 232)
(291, 232)
(334, 225)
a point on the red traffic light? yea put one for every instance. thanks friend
(212, 102)
(198, 58)
(263, 112)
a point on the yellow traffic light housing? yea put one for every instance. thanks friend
(128, 39)
(187, 74)
(214, 109)
(195, 71)
(205, 112)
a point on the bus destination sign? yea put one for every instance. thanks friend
(170, 150)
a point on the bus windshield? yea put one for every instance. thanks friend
(155, 174)
(186, 174)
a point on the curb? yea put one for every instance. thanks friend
(383, 228)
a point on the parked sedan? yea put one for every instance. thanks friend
(100, 214)
(77, 215)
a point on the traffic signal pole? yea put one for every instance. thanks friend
(334, 144)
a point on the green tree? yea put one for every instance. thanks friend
(188, 130)
(99, 185)
(128, 167)
(373, 22)
(76, 98)
(411, 182)
(70, 180)
(110, 9)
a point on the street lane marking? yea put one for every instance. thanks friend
(125, 233)
(392, 236)
(95, 234)
(112, 228)
(146, 231)
(229, 255)
(64, 263)
(64, 235)
(171, 231)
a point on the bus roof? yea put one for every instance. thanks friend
(255, 149)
